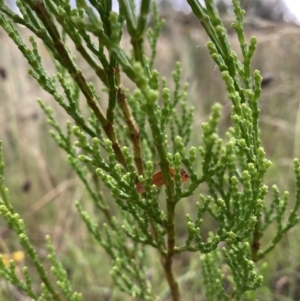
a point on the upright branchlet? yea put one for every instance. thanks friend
(143, 140)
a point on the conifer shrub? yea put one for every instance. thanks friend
(132, 150)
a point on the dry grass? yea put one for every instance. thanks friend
(43, 187)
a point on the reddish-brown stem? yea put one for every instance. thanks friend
(167, 262)
(39, 8)
(134, 132)
(255, 242)
(174, 288)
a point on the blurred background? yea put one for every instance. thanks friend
(44, 188)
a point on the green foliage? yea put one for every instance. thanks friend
(145, 129)
(48, 291)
